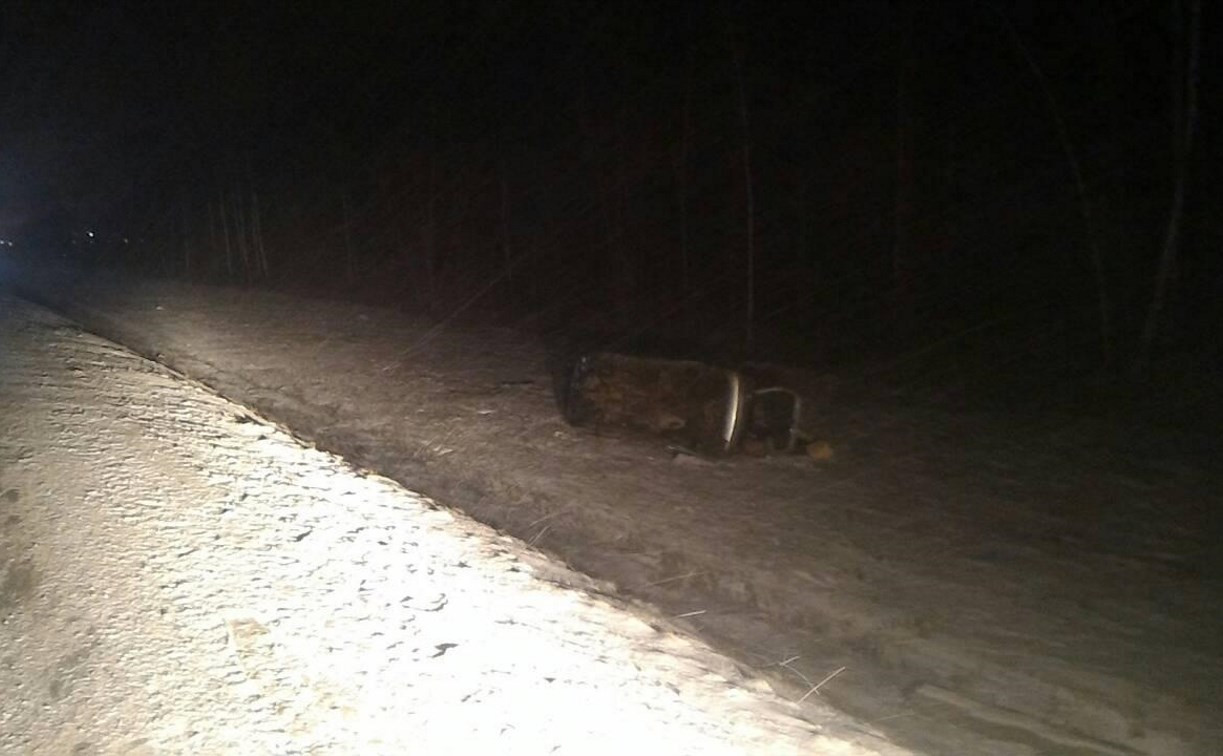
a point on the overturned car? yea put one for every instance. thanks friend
(699, 406)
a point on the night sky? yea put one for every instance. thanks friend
(128, 84)
(904, 159)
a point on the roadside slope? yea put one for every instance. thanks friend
(987, 585)
(178, 575)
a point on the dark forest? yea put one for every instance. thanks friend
(1021, 186)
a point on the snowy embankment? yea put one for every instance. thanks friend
(182, 576)
(968, 583)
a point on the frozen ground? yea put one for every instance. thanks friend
(978, 583)
(182, 576)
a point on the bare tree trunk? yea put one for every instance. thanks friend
(1184, 122)
(229, 256)
(350, 272)
(408, 263)
(902, 217)
(629, 273)
(507, 249)
(612, 264)
(186, 220)
(261, 253)
(259, 257)
(1086, 211)
(681, 178)
(804, 295)
(430, 240)
(749, 199)
(212, 235)
(240, 233)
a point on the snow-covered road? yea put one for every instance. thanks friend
(182, 576)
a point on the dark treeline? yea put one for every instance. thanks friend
(813, 182)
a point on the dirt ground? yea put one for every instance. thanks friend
(966, 582)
